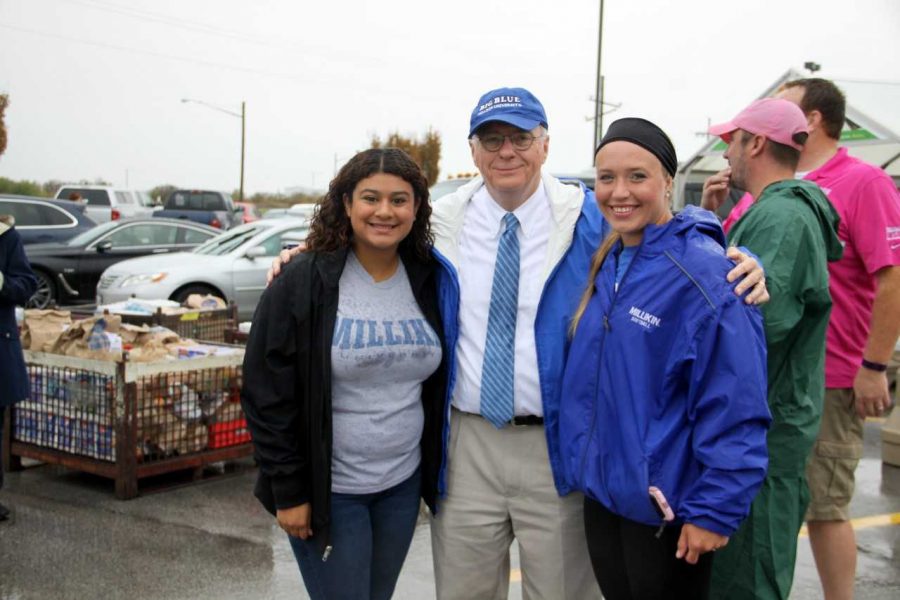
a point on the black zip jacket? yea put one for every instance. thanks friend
(286, 394)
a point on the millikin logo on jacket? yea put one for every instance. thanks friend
(643, 318)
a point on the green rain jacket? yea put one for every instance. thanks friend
(792, 227)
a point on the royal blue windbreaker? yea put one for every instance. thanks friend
(665, 384)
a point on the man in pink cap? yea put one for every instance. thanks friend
(793, 229)
(864, 324)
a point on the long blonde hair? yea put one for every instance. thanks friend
(596, 262)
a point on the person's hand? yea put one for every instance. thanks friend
(295, 521)
(695, 541)
(715, 190)
(753, 277)
(871, 391)
(281, 260)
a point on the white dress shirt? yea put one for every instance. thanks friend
(478, 244)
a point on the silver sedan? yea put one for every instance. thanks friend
(232, 266)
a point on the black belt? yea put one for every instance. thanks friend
(526, 420)
(522, 421)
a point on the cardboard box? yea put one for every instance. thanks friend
(890, 435)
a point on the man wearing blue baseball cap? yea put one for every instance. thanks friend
(515, 245)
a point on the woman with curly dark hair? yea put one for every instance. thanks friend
(344, 377)
(331, 229)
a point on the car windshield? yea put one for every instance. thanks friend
(228, 241)
(86, 237)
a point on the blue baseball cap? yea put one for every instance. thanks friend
(515, 106)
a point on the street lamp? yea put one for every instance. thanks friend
(243, 117)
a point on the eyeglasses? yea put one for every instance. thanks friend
(521, 140)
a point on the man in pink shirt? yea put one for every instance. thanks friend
(864, 324)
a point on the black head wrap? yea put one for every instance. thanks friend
(646, 135)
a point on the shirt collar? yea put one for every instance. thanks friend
(835, 162)
(528, 214)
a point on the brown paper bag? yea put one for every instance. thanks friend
(208, 302)
(75, 340)
(131, 333)
(41, 328)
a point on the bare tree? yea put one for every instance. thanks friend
(4, 102)
(426, 152)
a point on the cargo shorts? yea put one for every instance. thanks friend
(832, 463)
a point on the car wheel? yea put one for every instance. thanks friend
(45, 296)
(182, 294)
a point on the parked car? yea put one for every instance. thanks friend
(44, 220)
(586, 177)
(299, 211)
(231, 266)
(148, 202)
(215, 209)
(248, 211)
(106, 203)
(448, 186)
(275, 213)
(68, 272)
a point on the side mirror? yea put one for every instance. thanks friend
(255, 252)
(104, 246)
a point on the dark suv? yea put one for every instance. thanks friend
(215, 209)
(40, 220)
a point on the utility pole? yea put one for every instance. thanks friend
(243, 144)
(243, 117)
(598, 95)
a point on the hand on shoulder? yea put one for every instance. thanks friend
(279, 261)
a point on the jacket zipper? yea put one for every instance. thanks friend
(326, 382)
(608, 328)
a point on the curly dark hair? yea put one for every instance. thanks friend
(330, 228)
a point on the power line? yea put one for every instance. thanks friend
(205, 63)
(196, 26)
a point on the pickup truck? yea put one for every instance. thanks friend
(105, 203)
(202, 206)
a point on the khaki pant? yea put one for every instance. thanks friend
(831, 469)
(500, 487)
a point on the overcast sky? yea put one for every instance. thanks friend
(95, 85)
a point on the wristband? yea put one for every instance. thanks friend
(873, 366)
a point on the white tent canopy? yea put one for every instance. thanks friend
(864, 138)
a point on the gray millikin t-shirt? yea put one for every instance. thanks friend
(382, 351)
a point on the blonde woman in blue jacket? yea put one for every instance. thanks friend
(663, 412)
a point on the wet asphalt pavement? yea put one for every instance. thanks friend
(70, 538)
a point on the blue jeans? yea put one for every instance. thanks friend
(370, 536)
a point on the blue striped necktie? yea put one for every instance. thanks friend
(497, 376)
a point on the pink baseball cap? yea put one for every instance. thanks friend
(778, 119)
